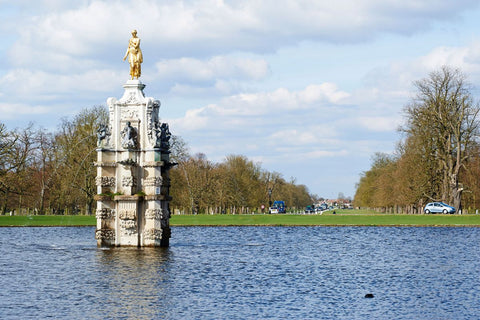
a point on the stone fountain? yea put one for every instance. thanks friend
(133, 162)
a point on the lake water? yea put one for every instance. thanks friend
(244, 273)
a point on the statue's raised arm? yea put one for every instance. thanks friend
(134, 54)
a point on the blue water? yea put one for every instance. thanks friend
(244, 273)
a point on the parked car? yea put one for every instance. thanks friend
(273, 210)
(438, 207)
(309, 209)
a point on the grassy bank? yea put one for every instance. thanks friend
(47, 221)
(342, 218)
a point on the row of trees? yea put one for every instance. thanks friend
(236, 185)
(52, 172)
(438, 159)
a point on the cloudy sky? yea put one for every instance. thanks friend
(310, 89)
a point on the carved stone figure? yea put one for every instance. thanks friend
(165, 137)
(129, 137)
(103, 133)
(134, 54)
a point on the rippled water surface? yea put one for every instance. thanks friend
(244, 273)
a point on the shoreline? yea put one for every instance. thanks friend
(341, 219)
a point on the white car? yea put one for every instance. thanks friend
(438, 207)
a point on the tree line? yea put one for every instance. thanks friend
(438, 158)
(235, 185)
(44, 172)
(50, 172)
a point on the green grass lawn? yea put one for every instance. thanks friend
(47, 221)
(342, 218)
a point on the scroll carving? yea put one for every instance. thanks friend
(105, 181)
(154, 214)
(125, 214)
(105, 234)
(152, 234)
(129, 182)
(153, 182)
(105, 213)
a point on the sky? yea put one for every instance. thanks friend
(309, 89)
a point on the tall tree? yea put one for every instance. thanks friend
(77, 142)
(443, 117)
(17, 148)
(242, 181)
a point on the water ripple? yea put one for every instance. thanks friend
(244, 273)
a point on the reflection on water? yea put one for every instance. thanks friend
(133, 282)
(244, 273)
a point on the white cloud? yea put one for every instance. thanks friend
(266, 108)
(466, 58)
(33, 84)
(293, 136)
(379, 124)
(12, 110)
(325, 92)
(171, 29)
(218, 67)
(285, 126)
(391, 86)
(326, 154)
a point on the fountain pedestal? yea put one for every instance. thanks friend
(133, 162)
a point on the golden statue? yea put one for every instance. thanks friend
(134, 54)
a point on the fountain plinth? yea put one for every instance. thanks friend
(133, 162)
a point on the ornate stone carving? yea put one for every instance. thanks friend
(105, 181)
(134, 171)
(128, 227)
(129, 182)
(130, 113)
(105, 234)
(111, 110)
(153, 164)
(128, 223)
(129, 137)
(153, 214)
(105, 213)
(128, 162)
(159, 135)
(103, 136)
(154, 132)
(126, 214)
(152, 234)
(153, 182)
(105, 164)
(153, 121)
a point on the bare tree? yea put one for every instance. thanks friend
(444, 118)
